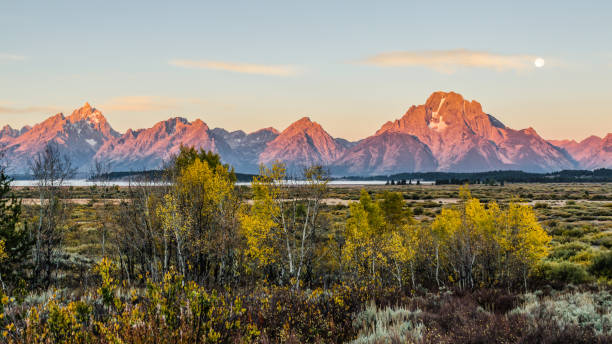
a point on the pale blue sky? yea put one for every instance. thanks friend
(275, 61)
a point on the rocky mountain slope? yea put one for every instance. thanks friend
(303, 143)
(447, 133)
(592, 152)
(80, 136)
(385, 154)
(463, 138)
(245, 149)
(148, 148)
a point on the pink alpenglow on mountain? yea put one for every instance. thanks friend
(592, 152)
(79, 136)
(386, 153)
(463, 138)
(447, 133)
(303, 143)
(242, 150)
(148, 148)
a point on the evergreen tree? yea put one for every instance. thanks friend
(17, 242)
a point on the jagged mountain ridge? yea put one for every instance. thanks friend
(447, 133)
(79, 136)
(592, 152)
(244, 149)
(384, 154)
(148, 148)
(463, 138)
(303, 143)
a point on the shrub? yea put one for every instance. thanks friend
(396, 325)
(496, 300)
(567, 251)
(561, 273)
(602, 265)
(603, 239)
(587, 311)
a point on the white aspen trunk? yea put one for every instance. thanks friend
(438, 264)
(165, 249)
(104, 241)
(398, 274)
(179, 251)
(286, 232)
(304, 229)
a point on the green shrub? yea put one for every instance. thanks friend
(562, 272)
(567, 251)
(603, 239)
(602, 265)
(584, 258)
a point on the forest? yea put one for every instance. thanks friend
(291, 259)
(498, 177)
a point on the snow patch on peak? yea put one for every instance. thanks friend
(437, 122)
(91, 142)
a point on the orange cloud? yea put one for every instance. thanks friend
(447, 61)
(245, 68)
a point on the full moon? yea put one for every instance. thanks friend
(539, 62)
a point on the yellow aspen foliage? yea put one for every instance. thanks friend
(108, 288)
(259, 221)
(175, 224)
(445, 224)
(464, 192)
(359, 242)
(443, 228)
(528, 238)
(374, 245)
(524, 239)
(3, 255)
(205, 185)
(365, 229)
(486, 245)
(281, 227)
(402, 250)
(197, 218)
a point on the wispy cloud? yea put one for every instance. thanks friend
(145, 103)
(11, 57)
(12, 110)
(245, 68)
(447, 61)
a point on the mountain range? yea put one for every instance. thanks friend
(447, 133)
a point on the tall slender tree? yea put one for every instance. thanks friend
(51, 169)
(15, 237)
(281, 226)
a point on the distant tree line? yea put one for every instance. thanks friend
(498, 177)
(403, 182)
(152, 175)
